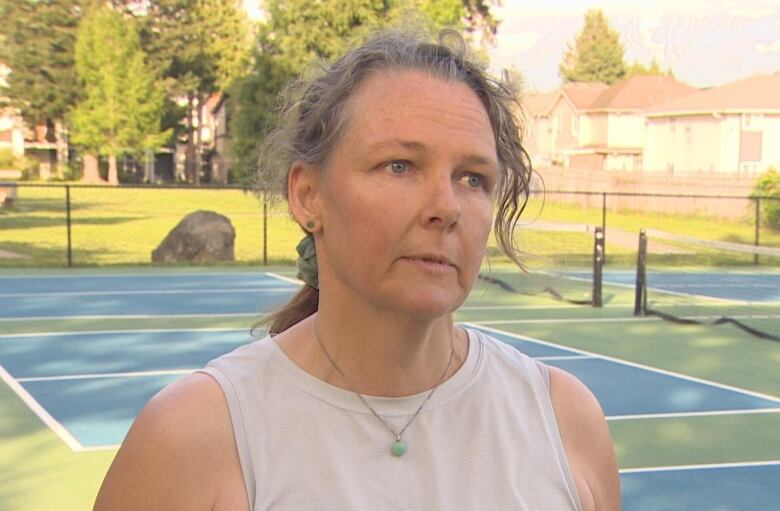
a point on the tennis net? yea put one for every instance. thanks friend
(564, 264)
(695, 281)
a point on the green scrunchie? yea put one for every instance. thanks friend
(307, 262)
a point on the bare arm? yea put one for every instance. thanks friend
(586, 441)
(179, 454)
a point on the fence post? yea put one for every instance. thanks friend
(67, 210)
(758, 227)
(265, 228)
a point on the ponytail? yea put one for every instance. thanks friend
(301, 306)
(306, 301)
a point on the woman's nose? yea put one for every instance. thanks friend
(442, 206)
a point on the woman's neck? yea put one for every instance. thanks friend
(380, 354)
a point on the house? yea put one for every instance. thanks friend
(16, 136)
(215, 138)
(599, 127)
(210, 125)
(730, 129)
(553, 120)
(11, 124)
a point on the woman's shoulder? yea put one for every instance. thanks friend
(497, 350)
(179, 454)
(586, 440)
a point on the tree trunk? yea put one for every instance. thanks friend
(113, 176)
(91, 170)
(189, 161)
(199, 143)
(61, 143)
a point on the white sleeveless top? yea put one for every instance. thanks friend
(486, 440)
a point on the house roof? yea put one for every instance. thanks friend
(213, 101)
(640, 92)
(582, 95)
(755, 93)
(536, 103)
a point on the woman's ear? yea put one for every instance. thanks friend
(303, 193)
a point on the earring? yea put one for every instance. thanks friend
(310, 224)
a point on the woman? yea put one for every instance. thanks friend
(367, 395)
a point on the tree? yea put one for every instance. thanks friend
(122, 107)
(768, 185)
(38, 47)
(637, 68)
(597, 55)
(297, 32)
(478, 21)
(199, 47)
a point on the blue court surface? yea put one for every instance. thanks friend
(89, 386)
(762, 287)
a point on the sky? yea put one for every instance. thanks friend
(705, 42)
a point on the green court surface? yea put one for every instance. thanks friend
(694, 411)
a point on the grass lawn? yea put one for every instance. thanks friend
(121, 226)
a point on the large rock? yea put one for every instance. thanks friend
(202, 236)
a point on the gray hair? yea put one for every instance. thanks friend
(311, 119)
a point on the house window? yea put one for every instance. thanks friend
(750, 146)
(575, 124)
(751, 120)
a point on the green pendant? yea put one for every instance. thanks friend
(399, 448)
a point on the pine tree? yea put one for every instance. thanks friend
(122, 107)
(38, 41)
(597, 55)
(654, 69)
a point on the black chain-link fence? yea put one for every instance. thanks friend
(57, 225)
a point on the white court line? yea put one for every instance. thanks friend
(133, 316)
(108, 447)
(129, 331)
(563, 357)
(722, 301)
(133, 275)
(166, 372)
(285, 279)
(40, 411)
(476, 324)
(605, 281)
(692, 414)
(570, 320)
(534, 307)
(705, 466)
(268, 289)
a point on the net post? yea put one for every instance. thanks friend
(640, 300)
(68, 223)
(603, 221)
(758, 227)
(598, 263)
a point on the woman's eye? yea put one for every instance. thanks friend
(474, 180)
(398, 167)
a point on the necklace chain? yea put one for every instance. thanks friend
(365, 402)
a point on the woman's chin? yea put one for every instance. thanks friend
(429, 303)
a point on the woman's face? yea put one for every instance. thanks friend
(405, 200)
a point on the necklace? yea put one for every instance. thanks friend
(399, 447)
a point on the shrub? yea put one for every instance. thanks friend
(9, 161)
(768, 185)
